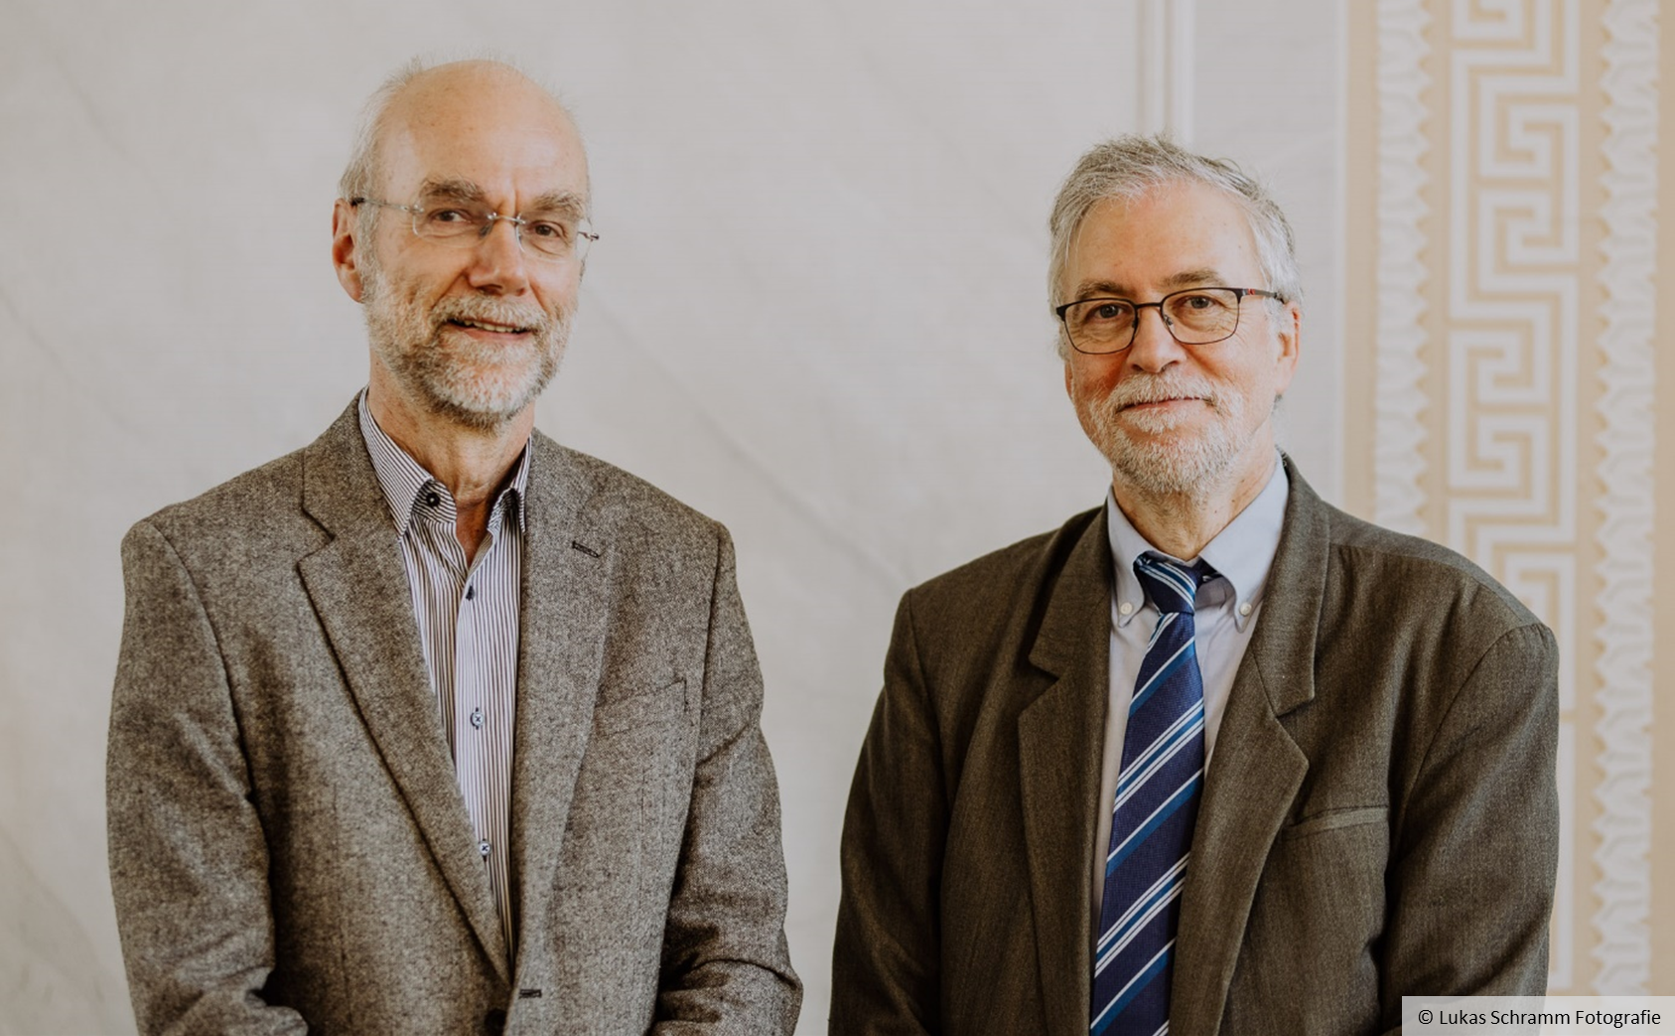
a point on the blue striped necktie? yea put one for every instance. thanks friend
(1155, 807)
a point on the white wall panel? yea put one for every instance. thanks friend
(817, 313)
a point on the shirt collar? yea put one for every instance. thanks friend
(1243, 552)
(410, 491)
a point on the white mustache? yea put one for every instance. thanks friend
(490, 310)
(1134, 390)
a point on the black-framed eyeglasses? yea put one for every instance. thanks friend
(1194, 316)
(544, 235)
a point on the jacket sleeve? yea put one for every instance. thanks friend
(726, 966)
(187, 858)
(1476, 847)
(886, 970)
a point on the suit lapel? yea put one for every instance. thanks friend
(1060, 740)
(1255, 773)
(359, 589)
(564, 613)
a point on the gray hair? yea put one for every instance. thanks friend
(1130, 166)
(362, 171)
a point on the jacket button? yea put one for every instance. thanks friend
(494, 1023)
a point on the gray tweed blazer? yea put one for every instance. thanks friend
(1380, 815)
(289, 849)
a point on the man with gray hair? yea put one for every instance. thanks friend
(434, 725)
(1214, 757)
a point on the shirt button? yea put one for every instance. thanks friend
(1244, 609)
(483, 848)
(477, 718)
(1125, 608)
(432, 499)
(470, 592)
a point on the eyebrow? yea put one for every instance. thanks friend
(1185, 279)
(567, 202)
(455, 189)
(452, 188)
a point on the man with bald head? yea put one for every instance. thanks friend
(434, 725)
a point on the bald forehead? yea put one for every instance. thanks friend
(476, 112)
(459, 88)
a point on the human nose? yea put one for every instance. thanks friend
(1152, 348)
(498, 265)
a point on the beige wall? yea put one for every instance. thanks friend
(1501, 171)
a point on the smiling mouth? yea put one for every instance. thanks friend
(488, 325)
(1166, 399)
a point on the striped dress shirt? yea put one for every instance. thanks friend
(467, 614)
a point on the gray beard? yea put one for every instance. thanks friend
(457, 378)
(1163, 465)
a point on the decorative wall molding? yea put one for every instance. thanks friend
(1624, 537)
(1167, 31)
(1399, 434)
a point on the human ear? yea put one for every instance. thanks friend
(1289, 332)
(345, 231)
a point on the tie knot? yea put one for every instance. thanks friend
(1170, 584)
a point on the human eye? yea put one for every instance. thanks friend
(548, 228)
(448, 217)
(1202, 301)
(1107, 311)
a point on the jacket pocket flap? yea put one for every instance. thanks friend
(1333, 819)
(624, 708)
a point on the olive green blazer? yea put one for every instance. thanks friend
(1379, 815)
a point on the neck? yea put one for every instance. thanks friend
(1183, 524)
(473, 463)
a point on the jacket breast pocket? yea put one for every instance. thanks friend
(1320, 910)
(1324, 885)
(629, 709)
(1310, 959)
(624, 829)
